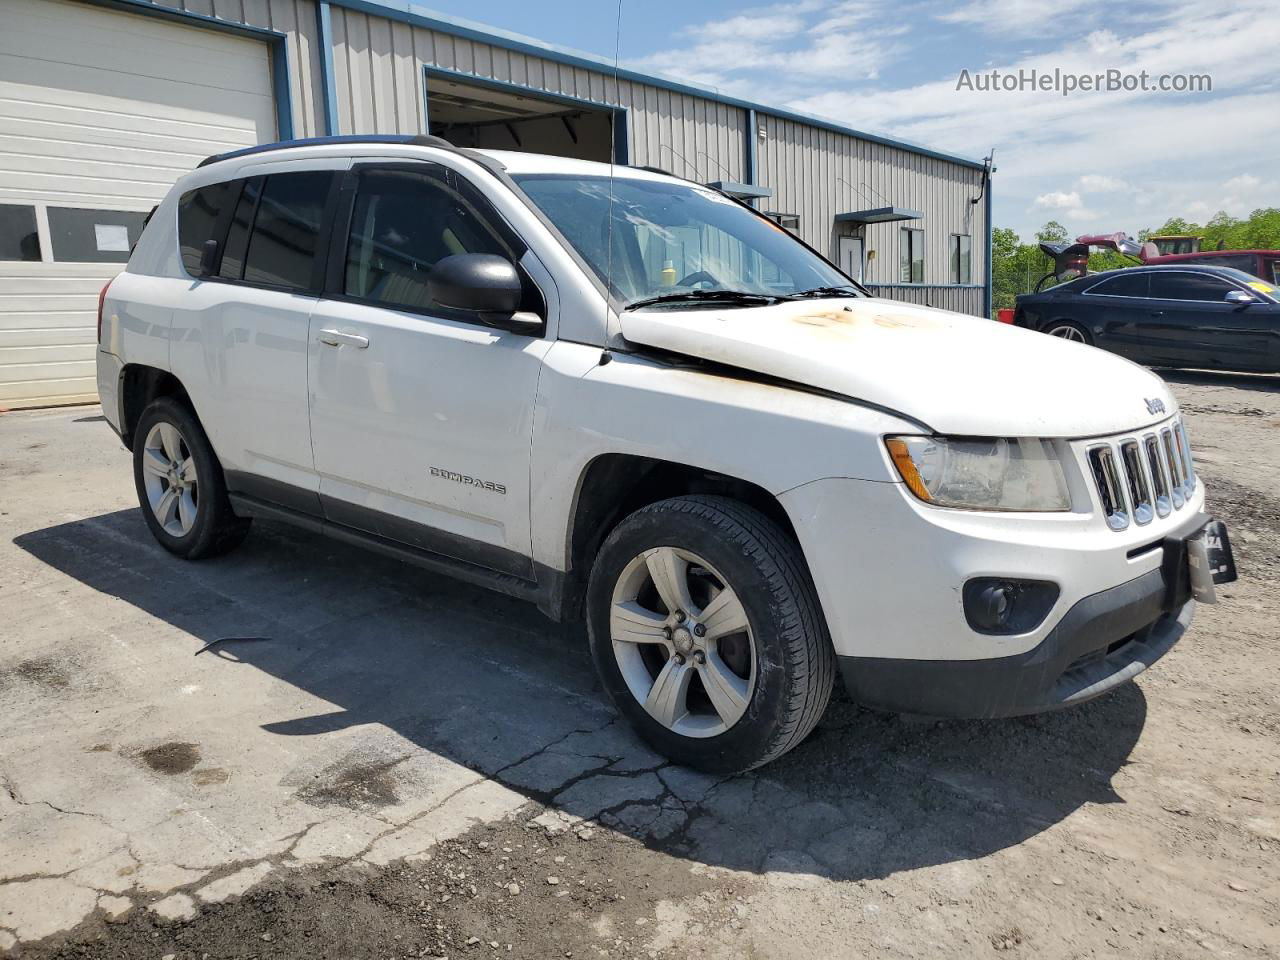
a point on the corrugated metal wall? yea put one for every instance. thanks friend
(819, 173)
(815, 173)
(959, 299)
(378, 70)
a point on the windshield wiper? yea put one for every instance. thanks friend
(816, 292)
(740, 297)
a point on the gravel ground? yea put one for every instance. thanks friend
(1144, 824)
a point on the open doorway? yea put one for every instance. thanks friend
(501, 116)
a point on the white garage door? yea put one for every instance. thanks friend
(100, 111)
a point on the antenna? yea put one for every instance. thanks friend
(868, 195)
(679, 156)
(613, 159)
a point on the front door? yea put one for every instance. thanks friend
(421, 417)
(1190, 322)
(851, 256)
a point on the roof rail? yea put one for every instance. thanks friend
(417, 140)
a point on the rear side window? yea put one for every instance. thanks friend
(199, 211)
(1188, 286)
(286, 229)
(1122, 285)
(232, 266)
(402, 224)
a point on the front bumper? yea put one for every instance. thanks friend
(1103, 641)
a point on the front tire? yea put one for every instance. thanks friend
(180, 485)
(706, 632)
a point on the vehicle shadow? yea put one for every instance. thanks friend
(1263, 382)
(488, 683)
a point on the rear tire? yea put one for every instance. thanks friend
(180, 485)
(1068, 330)
(743, 669)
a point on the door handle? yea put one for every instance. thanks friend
(1157, 313)
(336, 338)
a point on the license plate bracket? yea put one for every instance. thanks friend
(1194, 565)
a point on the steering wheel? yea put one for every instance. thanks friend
(698, 276)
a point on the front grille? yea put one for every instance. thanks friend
(1138, 478)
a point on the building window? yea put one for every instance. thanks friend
(961, 258)
(912, 256)
(93, 236)
(18, 237)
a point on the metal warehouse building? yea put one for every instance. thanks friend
(103, 103)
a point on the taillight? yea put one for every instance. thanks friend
(102, 296)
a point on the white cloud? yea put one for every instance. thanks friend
(1101, 183)
(1059, 201)
(783, 51)
(1241, 184)
(1016, 16)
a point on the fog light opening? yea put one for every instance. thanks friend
(1002, 606)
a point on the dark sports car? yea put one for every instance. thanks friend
(1166, 316)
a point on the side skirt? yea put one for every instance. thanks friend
(547, 592)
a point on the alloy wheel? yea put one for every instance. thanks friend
(682, 642)
(1068, 332)
(169, 477)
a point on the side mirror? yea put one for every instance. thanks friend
(1240, 298)
(479, 282)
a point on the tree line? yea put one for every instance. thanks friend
(1017, 267)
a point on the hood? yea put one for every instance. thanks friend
(958, 374)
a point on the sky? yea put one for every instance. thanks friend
(1097, 162)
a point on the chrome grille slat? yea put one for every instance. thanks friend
(1136, 478)
(1141, 477)
(1159, 479)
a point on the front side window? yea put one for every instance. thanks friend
(961, 258)
(912, 256)
(286, 229)
(653, 238)
(402, 224)
(1188, 286)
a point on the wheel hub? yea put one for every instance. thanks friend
(683, 640)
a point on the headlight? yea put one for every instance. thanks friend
(997, 474)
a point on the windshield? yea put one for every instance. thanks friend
(670, 239)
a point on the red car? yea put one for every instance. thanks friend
(1264, 264)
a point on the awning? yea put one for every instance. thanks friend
(879, 215)
(745, 191)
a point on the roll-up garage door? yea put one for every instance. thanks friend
(100, 111)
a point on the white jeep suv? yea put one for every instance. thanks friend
(634, 400)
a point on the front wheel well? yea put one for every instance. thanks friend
(140, 385)
(616, 485)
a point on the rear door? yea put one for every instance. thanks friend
(1191, 324)
(239, 339)
(422, 416)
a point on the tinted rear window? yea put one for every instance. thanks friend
(1122, 285)
(198, 213)
(282, 246)
(232, 266)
